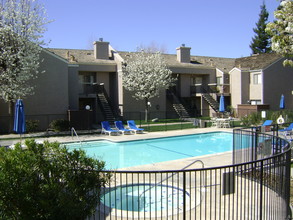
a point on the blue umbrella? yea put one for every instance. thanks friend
(222, 104)
(282, 102)
(19, 118)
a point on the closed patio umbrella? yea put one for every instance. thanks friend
(222, 104)
(282, 102)
(19, 118)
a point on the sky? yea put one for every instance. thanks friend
(217, 28)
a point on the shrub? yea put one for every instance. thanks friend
(46, 181)
(251, 119)
(32, 125)
(255, 117)
(60, 125)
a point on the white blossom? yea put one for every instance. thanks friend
(145, 74)
(281, 31)
(21, 28)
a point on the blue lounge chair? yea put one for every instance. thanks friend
(267, 123)
(132, 126)
(119, 125)
(106, 129)
(287, 130)
(267, 126)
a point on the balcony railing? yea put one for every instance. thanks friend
(210, 88)
(86, 89)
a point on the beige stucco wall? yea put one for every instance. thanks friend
(255, 90)
(239, 87)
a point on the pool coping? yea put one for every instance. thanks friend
(212, 160)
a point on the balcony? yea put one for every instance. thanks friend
(87, 89)
(224, 88)
(210, 88)
(90, 89)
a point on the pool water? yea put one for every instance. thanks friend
(144, 197)
(134, 153)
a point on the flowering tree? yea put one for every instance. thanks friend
(145, 74)
(281, 31)
(21, 28)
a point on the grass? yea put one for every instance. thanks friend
(167, 127)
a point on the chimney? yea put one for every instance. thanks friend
(101, 49)
(183, 54)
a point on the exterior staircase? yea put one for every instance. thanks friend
(180, 110)
(105, 105)
(177, 105)
(212, 102)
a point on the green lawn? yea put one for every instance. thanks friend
(168, 127)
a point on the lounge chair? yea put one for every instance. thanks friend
(132, 126)
(266, 126)
(288, 130)
(119, 125)
(106, 129)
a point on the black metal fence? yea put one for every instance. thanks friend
(42, 121)
(256, 186)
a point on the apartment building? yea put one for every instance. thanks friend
(85, 86)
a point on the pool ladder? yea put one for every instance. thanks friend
(73, 132)
(200, 161)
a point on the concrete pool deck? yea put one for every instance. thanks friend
(220, 159)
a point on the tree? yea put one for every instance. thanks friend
(153, 47)
(47, 181)
(281, 31)
(261, 42)
(22, 23)
(145, 74)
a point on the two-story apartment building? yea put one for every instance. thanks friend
(86, 86)
(260, 80)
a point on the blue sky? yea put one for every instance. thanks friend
(221, 28)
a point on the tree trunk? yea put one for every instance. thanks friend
(146, 110)
(11, 115)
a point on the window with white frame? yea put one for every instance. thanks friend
(255, 102)
(219, 80)
(256, 78)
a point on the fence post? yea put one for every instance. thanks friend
(261, 190)
(287, 184)
(184, 195)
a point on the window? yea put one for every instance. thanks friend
(219, 80)
(255, 102)
(88, 78)
(196, 80)
(257, 78)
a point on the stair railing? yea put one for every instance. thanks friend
(115, 112)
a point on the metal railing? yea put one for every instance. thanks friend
(256, 186)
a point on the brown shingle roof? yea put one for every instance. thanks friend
(202, 62)
(253, 62)
(79, 56)
(258, 61)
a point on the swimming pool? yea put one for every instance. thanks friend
(133, 153)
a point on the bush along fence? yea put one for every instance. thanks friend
(255, 186)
